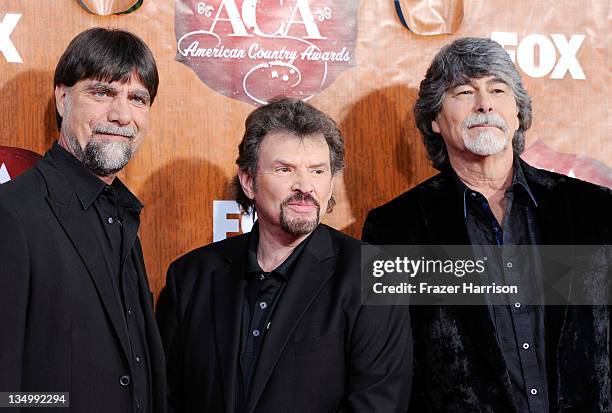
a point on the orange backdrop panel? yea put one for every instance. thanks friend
(188, 157)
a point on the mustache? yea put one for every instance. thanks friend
(300, 197)
(109, 129)
(489, 119)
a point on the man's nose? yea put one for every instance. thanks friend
(484, 102)
(120, 111)
(302, 182)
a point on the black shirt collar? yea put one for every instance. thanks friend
(285, 269)
(86, 184)
(518, 179)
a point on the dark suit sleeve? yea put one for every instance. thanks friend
(368, 232)
(14, 285)
(168, 319)
(380, 360)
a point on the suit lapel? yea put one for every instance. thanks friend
(228, 297)
(312, 270)
(72, 219)
(442, 208)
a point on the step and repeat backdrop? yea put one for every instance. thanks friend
(359, 61)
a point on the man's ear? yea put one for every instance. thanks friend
(61, 94)
(247, 183)
(434, 126)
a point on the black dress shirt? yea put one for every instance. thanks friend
(519, 327)
(114, 216)
(262, 293)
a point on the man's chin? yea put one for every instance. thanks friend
(106, 158)
(299, 226)
(488, 146)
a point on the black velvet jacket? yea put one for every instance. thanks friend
(458, 366)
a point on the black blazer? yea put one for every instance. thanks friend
(458, 366)
(324, 352)
(61, 323)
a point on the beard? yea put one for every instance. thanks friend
(486, 143)
(104, 157)
(299, 226)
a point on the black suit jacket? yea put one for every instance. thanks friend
(458, 364)
(323, 352)
(62, 327)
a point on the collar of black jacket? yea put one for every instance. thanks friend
(86, 184)
(518, 181)
(285, 269)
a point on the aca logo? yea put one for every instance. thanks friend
(253, 50)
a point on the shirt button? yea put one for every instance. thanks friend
(525, 346)
(137, 359)
(124, 380)
(256, 333)
(533, 392)
(110, 220)
(262, 276)
(473, 194)
(495, 229)
(263, 305)
(129, 311)
(509, 265)
(517, 304)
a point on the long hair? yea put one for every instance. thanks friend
(456, 64)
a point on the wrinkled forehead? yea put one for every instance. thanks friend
(469, 79)
(288, 145)
(115, 79)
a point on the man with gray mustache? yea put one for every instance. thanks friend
(473, 111)
(76, 311)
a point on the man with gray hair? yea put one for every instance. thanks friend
(473, 111)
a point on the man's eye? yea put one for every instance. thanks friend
(319, 171)
(283, 169)
(100, 94)
(140, 99)
(465, 92)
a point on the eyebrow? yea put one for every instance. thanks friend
(320, 165)
(284, 162)
(100, 86)
(496, 80)
(107, 87)
(470, 82)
